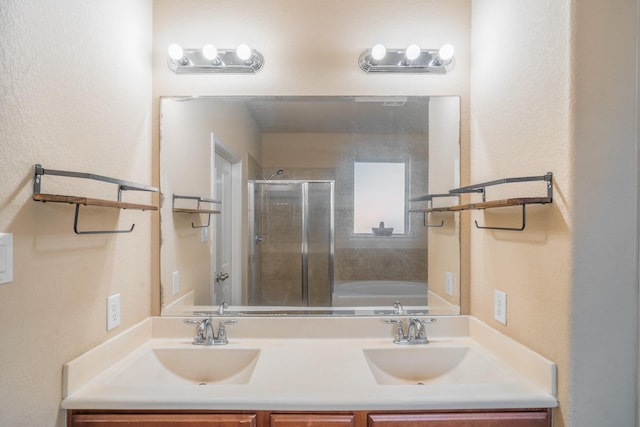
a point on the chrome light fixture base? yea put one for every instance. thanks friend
(227, 61)
(396, 61)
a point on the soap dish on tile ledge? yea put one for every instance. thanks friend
(381, 230)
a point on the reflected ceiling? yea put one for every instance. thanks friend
(369, 115)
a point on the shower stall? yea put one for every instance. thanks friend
(291, 233)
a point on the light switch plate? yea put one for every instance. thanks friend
(6, 258)
(448, 283)
(176, 282)
(500, 306)
(113, 311)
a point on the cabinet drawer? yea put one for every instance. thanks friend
(312, 420)
(465, 419)
(163, 420)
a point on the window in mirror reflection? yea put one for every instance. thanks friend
(379, 197)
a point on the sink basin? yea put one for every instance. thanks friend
(431, 365)
(187, 366)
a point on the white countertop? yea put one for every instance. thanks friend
(311, 364)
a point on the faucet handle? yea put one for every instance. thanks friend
(222, 332)
(201, 323)
(419, 327)
(399, 331)
(228, 322)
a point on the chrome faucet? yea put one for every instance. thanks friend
(416, 331)
(205, 334)
(399, 309)
(222, 307)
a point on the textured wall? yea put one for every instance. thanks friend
(541, 101)
(186, 172)
(605, 155)
(444, 169)
(519, 129)
(311, 47)
(76, 95)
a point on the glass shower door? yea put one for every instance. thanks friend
(320, 244)
(291, 229)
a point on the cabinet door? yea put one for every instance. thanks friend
(312, 420)
(470, 419)
(163, 420)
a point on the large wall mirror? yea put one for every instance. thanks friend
(309, 205)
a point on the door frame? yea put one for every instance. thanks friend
(235, 278)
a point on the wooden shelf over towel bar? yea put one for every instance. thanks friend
(503, 203)
(424, 211)
(197, 210)
(54, 198)
(38, 196)
(500, 203)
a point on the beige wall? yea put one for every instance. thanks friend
(311, 47)
(604, 147)
(541, 93)
(541, 101)
(187, 172)
(444, 169)
(76, 95)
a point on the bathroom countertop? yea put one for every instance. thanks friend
(311, 364)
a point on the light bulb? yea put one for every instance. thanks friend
(209, 52)
(244, 52)
(412, 52)
(446, 52)
(175, 51)
(378, 52)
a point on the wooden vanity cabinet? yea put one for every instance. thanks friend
(160, 419)
(469, 418)
(463, 419)
(312, 420)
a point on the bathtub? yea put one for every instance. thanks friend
(378, 293)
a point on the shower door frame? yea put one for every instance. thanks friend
(304, 247)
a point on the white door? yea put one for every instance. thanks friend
(222, 274)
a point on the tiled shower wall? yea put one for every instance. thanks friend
(357, 257)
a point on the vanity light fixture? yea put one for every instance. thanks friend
(210, 59)
(413, 59)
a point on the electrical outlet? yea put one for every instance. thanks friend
(448, 283)
(113, 311)
(6, 258)
(204, 235)
(500, 306)
(176, 282)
